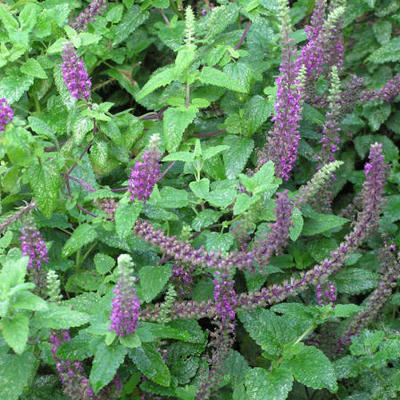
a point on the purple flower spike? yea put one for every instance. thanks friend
(75, 75)
(95, 8)
(33, 246)
(125, 304)
(6, 114)
(145, 173)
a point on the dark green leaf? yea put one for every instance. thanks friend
(82, 236)
(125, 218)
(152, 281)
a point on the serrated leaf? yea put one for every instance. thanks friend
(346, 310)
(157, 80)
(235, 158)
(77, 348)
(297, 227)
(312, 368)
(133, 18)
(389, 52)
(213, 151)
(152, 281)
(29, 301)
(41, 128)
(15, 331)
(322, 223)
(131, 341)
(213, 76)
(103, 263)
(9, 22)
(14, 86)
(367, 343)
(150, 363)
(57, 46)
(149, 332)
(179, 156)
(106, 362)
(125, 217)
(272, 385)
(200, 188)
(221, 197)
(15, 372)
(355, 280)
(82, 236)
(44, 180)
(243, 202)
(32, 68)
(60, 317)
(173, 198)
(13, 271)
(363, 144)
(175, 121)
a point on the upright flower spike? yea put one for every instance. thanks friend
(33, 246)
(6, 114)
(146, 173)
(125, 304)
(75, 75)
(190, 25)
(96, 7)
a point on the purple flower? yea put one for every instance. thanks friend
(145, 173)
(386, 93)
(71, 373)
(224, 297)
(327, 296)
(125, 304)
(75, 75)
(95, 8)
(6, 114)
(33, 246)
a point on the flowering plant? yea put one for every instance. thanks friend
(199, 200)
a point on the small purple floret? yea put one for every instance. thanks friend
(6, 114)
(33, 246)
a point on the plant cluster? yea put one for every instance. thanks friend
(199, 200)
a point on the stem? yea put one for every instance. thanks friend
(166, 170)
(164, 16)
(81, 182)
(176, 11)
(240, 42)
(36, 100)
(17, 215)
(187, 95)
(88, 252)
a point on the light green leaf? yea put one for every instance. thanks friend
(297, 227)
(272, 385)
(212, 76)
(312, 368)
(236, 156)
(29, 301)
(175, 121)
(320, 223)
(57, 46)
(131, 20)
(28, 16)
(213, 151)
(114, 14)
(157, 80)
(9, 22)
(200, 188)
(131, 341)
(179, 156)
(367, 343)
(389, 52)
(82, 236)
(16, 331)
(262, 180)
(150, 363)
(184, 58)
(15, 372)
(355, 280)
(242, 203)
(41, 128)
(221, 197)
(103, 263)
(13, 271)
(125, 217)
(346, 310)
(14, 86)
(60, 317)
(44, 179)
(106, 361)
(152, 281)
(78, 348)
(33, 68)
(173, 198)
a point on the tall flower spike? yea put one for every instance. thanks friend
(146, 173)
(125, 304)
(75, 75)
(95, 8)
(33, 246)
(53, 287)
(6, 114)
(190, 25)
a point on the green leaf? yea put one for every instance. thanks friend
(173, 198)
(243, 202)
(15, 373)
(175, 121)
(115, 13)
(382, 31)
(78, 348)
(103, 263)
(355, 280)
(263, 180)
(184, 58)
(200, 188)
(346, 367)
(106, 361)
(235, 158)
(60, 317)
(346, 310)
(150, 363)
(33, 68)
(157, 80)
(44, 180)
(57, 46)
(131, 341)
(212, 76)
(16, 331)
(9, 22)
(320, 223)
(29, 301)
(131, 20)
(41, 128)
(256, 112)
(152, 281)
(14, 86)
(221, 197)
(297, 227)
(312, 368)
(179, 156)
(221, 17)
(213, 151)
(219, 241)
(149, 332)
(125, 217)
(313, 115)
(13, 271)
(82, 236)
(363, 144)
(367, 343)
(389, 52)
(272, 385)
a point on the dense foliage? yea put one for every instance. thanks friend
(199, 200)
